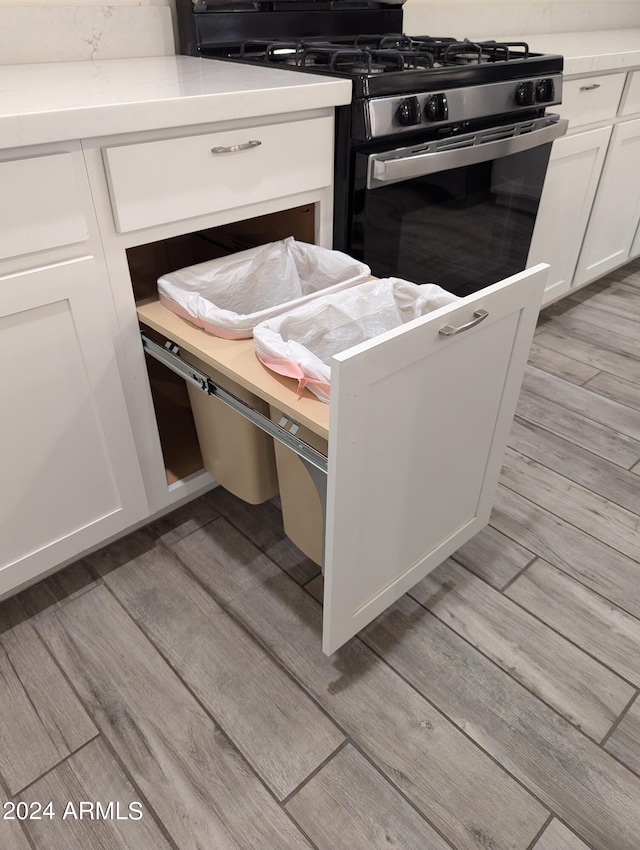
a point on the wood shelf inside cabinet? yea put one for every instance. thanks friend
(237, 360)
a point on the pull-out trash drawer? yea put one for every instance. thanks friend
(417, 426)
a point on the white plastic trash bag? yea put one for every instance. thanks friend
(300, 343)
(230, 295)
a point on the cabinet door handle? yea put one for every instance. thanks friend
(252, 143)
(592, 87)
(449, 330)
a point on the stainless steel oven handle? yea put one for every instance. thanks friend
(395, 166)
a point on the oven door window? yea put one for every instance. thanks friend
(463, 228)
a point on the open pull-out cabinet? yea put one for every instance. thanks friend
(417, 427)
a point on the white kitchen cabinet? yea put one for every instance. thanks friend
(570, 187)
(588, 219)
(417, 428)
(616, 210)
(159, 197)
(418, 421)
(70, 477)
(99, 176)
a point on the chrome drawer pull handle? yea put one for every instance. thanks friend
(449, 330)
(253, 143)
(591, 87)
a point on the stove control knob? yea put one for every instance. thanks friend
(525, 93)
(545, 91)
(436, 108)
(408, 113)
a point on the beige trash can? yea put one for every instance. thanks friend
(302, 511)
(228, 296)
(235, 452)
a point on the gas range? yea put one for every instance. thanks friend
(401, 83)
(444, 137)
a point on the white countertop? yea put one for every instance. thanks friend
(588, 52)
(42, 103)
(70, 100)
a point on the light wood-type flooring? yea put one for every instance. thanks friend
(177, 674)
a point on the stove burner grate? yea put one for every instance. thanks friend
(366, 55)
(366, 61)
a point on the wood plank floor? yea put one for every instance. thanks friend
(176, 677)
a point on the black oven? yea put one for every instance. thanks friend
(441, 156)
(459, 211)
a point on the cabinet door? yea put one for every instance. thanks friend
(616, 210)
(418, 427)
(70, 476)
(569, 189)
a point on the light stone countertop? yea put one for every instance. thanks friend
(588, 52)
(50, 102)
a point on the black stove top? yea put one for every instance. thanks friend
(378, 54)
(394, 63)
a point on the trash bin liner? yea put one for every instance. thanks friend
(301, 342)
(228, 296)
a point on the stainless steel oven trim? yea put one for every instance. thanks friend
(458, 151)
(464, 104)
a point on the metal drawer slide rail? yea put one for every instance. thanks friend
(283, 431)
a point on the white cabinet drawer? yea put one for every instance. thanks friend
(158, 182)
(631, 101)
(41, 205)
(590, 100)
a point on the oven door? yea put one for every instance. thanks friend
(459, 211)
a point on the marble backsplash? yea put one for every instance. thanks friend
(69, 33)
(59, 33)
(479, 19)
